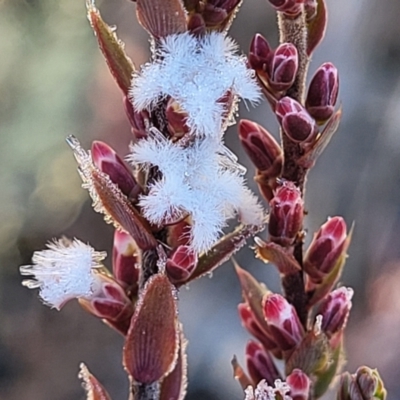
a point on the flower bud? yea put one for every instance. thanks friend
(262, 148)
(260, 54)
(322, 92)
(249, 322)
(286, 214)
(176, 118)
(283, 68)
(299, 384)
(365, 384)
(110, 303)
(283, 321)
(335, 310)
(260, 364)
(288, 7)
(217, 13)
(181, 263)
(109, 162)
(296, 122)
(196, 24)
(326, 248)
(125, 260)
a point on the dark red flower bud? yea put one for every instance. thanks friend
(260, 53)
(335, 310)
(109, 162)
(296, 122)
(283, 321)
(299, 384)
(176, 118)
(262, 148)
(286, 214)
(323, 92)
(181, 263)
(326, 248)
(283, 67)
(125, 259)
(289, 7)
(260, 364)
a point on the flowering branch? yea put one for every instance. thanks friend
(171, 204)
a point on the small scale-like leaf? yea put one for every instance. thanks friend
(174, 385)
(94, 389)
(151, 346)
(277, 255)
(240, 375)
(317, 26)
(161, 17)
(222, 251)
(309, 159)
(120, 65)
(253, 293)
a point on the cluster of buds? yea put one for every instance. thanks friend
(305, 327)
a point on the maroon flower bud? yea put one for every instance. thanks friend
(125, 259)
(110, 303)
(286, 214)
(296, 122)
(288, 7)
(323, 92)
(217, 13)
(176, 118)
(335, 310)
(262, 148)
(181, 263)
(283, 67)
(299, 384)
(260, 53)
(250, 323)
(139, 120)
(260, 364)
(196, 25)
(283, 321)
(326, 248)
(109, 162)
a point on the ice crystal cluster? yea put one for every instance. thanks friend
(200, 177)
(265, 392)
(65, 270)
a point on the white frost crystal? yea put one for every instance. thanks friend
(196, 72)
(65, 270)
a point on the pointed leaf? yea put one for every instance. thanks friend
(174, 385)
(161, 17)
(277, 255)
(120, 65)
(222, 251)
(317, 26)
(309, 159)
(151, 346)
(94, 389)
(240, 375)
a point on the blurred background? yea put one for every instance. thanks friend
(53, 82)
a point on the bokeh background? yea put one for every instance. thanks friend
(53, 82)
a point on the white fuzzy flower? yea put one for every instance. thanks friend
(201, 180)
(196, 72)
(65, 270)
(265, 392)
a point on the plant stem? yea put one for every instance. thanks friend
(294, 30)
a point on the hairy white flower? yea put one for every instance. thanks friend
(202, 180)
(196, 72)
(265, 392)
(65, 270)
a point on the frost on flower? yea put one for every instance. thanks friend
(65, 270)
(196, 72)
(202, 179)
(265, 392)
